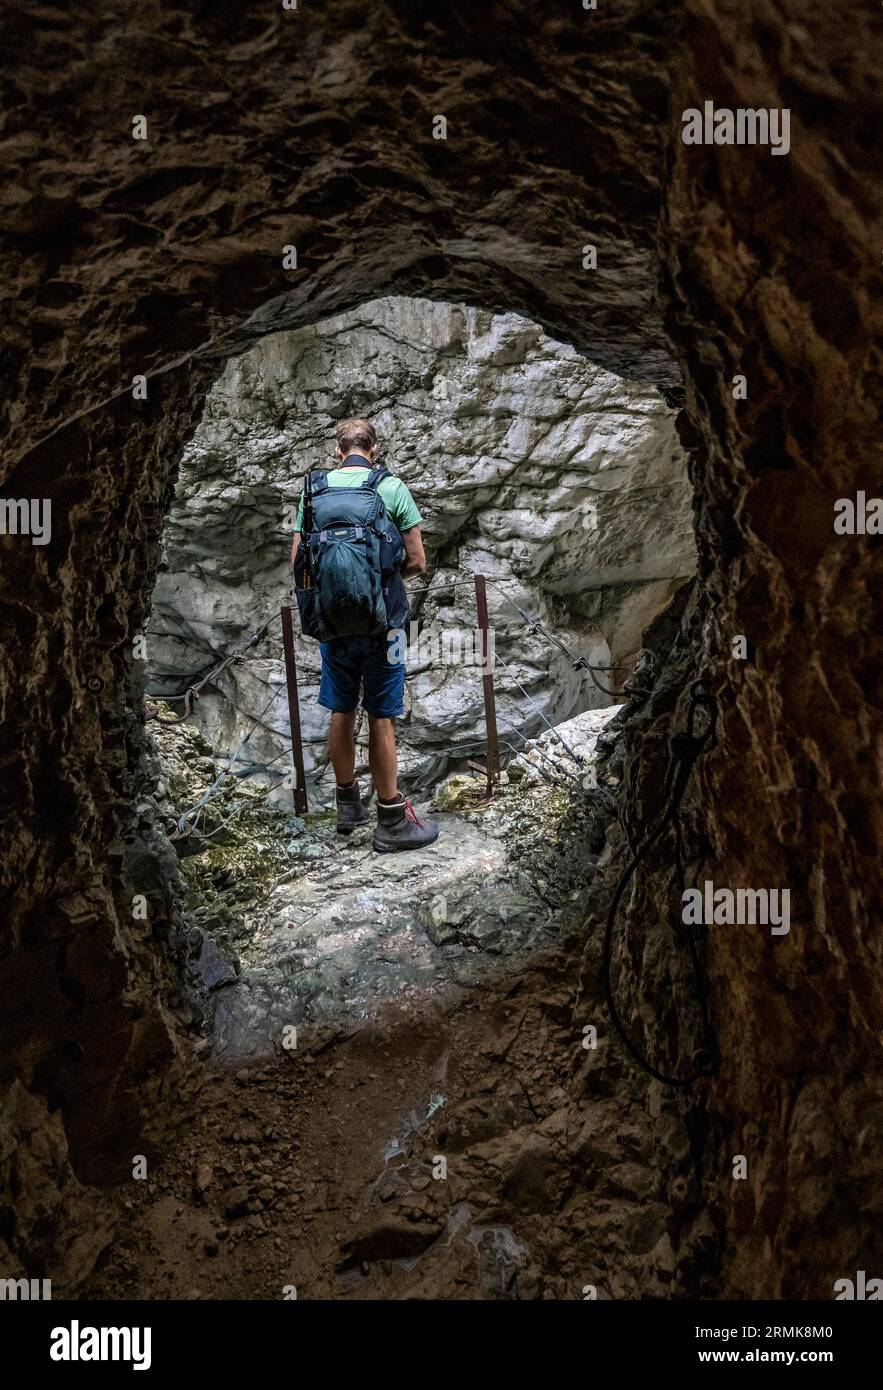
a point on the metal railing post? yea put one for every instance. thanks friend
(487, 681)
(297, 748)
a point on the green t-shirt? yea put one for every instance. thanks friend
(400, 505)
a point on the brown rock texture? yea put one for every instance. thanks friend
(162, 257)
(771, 270)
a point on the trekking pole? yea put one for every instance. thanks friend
(297, 748)
(487, 681)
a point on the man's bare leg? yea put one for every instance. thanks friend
(382, 757)
(342, 747)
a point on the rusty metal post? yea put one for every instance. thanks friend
(297, 747)
(487, 681)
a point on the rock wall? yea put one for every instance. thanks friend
(560, 481)
(790, 797)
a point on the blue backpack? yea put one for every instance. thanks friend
(346, 572)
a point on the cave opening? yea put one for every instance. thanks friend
(565, 486)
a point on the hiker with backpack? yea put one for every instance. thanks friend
(356, 539)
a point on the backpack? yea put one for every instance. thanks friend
(346, 571)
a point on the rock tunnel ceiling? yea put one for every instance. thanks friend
(162, 258)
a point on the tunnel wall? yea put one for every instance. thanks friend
(768, 273)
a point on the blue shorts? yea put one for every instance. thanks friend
(347, 662)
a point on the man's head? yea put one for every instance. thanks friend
(356, 437)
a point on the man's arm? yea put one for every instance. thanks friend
(298, 523)
(415, 555)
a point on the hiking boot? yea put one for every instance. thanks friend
(399, 827)
(350, 811)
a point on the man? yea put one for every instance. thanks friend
(350, 662)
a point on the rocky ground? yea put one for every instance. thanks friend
(290, 923)
(430, 1153)
(386, 1109)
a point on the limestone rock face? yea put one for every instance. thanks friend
(563, 483)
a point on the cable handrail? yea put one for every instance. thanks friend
(193, 692)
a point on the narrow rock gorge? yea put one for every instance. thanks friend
(563, 484)
(629, 379)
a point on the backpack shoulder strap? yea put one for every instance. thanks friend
(375, 477)
(318, 480)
